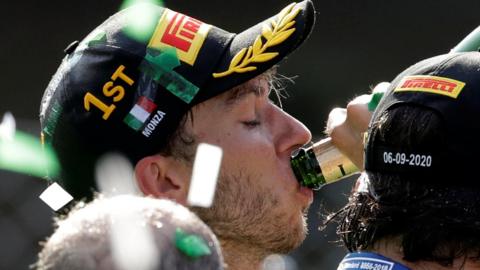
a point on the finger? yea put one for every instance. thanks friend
(336, 117)
(358, 114)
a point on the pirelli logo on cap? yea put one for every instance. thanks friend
(431, 84)
(184, 33)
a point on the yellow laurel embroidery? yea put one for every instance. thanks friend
(282, 29)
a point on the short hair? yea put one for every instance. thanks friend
(433, 221)
(82, 240)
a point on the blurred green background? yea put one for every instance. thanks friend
(354, 45)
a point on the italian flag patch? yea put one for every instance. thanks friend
(140, 113)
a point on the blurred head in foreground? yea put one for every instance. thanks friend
(129, 232)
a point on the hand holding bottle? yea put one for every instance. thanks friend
(346, 126)
(340, 154)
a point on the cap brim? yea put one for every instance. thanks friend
(260, 47)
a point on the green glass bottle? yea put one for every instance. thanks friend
(320, 163)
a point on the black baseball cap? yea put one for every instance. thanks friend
(118, 92)
(448, 85)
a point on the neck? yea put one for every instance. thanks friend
(239, 256)
(391, 248)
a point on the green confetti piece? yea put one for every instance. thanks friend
(160, 64)
(129, 3)
(470, 43)
(165, 60)
(179, 86)
(98, 38)
(142, 19)
(51, 122)
(25, 154)
(191, 245)
(375, 99)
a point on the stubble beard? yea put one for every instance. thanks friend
(249, 215)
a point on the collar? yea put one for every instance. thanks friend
(369, 261)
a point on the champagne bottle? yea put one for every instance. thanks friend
(320, 163)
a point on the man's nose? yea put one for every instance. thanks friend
(291, 133)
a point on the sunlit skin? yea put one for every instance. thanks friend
(346, 125)
(259, 207)
(257, 138)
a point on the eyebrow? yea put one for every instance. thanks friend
(239, 93)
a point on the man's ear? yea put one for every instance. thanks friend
(163, 177)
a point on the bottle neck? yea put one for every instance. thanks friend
(306, 168)
(320, 163)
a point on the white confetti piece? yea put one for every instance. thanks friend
(204, 176)
(279, 262)
(133, 245)
(114, 175)
(7, 127)
(55, 196)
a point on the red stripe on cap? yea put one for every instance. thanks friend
(146, 104)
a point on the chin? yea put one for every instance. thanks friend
(297, 232)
